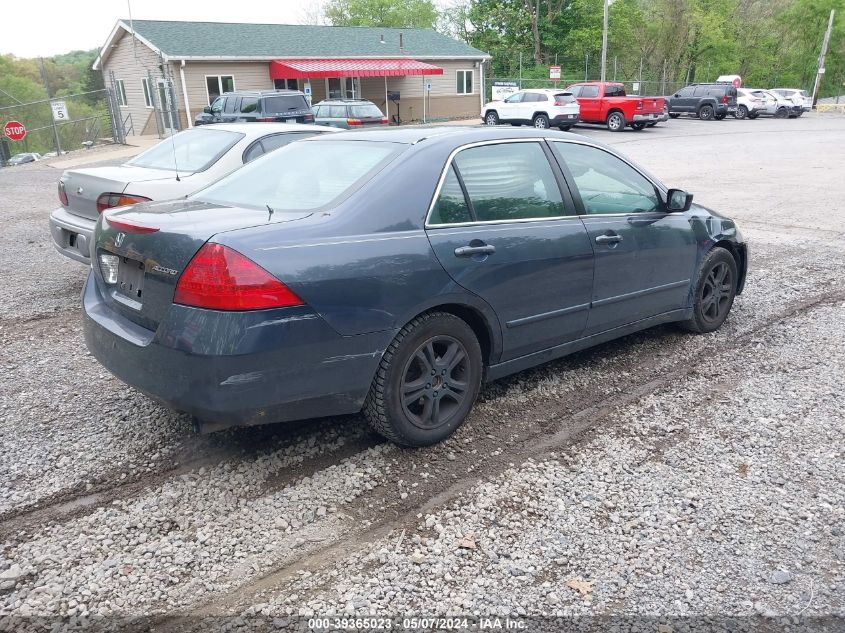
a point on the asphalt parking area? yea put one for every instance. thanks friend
(663, 474)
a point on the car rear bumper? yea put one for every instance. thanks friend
(565, 119)
(236, 368)
(647, 117)
(72, 234)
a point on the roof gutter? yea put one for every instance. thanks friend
(223, 58)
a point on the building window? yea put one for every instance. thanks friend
(464, 82)
(121, 92)
(148, 97)
(216, 85)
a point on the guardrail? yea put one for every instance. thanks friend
(831, 107)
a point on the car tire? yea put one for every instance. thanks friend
(781, 113)
(418, 350)
(674, 115)
(638, 126)
(652, 123)
(753, 115)
(715, 290)
(706, 112)
(616, 121)
(565, 128)
(741, 112)
(540, 121)
(719, 117)
(491, 118)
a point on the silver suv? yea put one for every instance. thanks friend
(540, 107)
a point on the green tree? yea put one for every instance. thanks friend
(387, 13)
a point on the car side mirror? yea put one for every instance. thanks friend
(678, 200)
(207, 109)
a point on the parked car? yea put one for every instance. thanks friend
(541, 107)
(749, 104)
(173, 168)
(767, 100)
(261, 106)
(663, 117)
(706, 101)
(798, 97)
(23, 158)
(419, 263)
(349, 113)
(785, 107)
(608, 103)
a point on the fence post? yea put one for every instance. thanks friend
(52, 118)
(663, 84)
(640, 91)
(586, 64)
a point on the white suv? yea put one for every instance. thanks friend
(539, 107)
(749, 103)
(798, 97)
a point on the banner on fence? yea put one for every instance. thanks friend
(503, 89)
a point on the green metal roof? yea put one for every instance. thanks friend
(235, 40)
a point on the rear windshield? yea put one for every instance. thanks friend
(301, 176)
(191, 150)
(284, 103)
(564, 97)
(364, 111)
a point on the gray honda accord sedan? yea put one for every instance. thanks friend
(392, 271)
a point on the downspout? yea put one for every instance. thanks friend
(481, 82)
(185, 95)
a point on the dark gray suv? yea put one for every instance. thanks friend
(279, 106)
(706, 101)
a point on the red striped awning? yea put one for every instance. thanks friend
(317, 68)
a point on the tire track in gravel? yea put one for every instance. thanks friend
(567, 429)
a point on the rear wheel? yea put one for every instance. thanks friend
(426, 382)
(616, 121)
(715, 290)
(719, 117)
(492, 118)
(638, 126)
(781, 113)
(541, 122)
(706, 113)
(753, 115)
(565, 128)
(741, 112)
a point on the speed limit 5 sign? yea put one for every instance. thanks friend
(59, 110)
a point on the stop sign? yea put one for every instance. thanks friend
(15, 130)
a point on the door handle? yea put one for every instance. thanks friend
(608, 239)
(469, 251)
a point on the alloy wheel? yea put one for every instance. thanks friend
(614, 122)
(434, 383)
(716, 293)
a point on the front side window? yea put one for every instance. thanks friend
(121, 92)
(217, 85)
(606, 183)
(686, 92)
(509, 181)
(515, 98)
(301, 176)
(589, 92)
(464, 78)
(575, 90)
(231, 106)
(188, 151)
(148, 98)
(217, 106)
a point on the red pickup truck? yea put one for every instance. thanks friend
(608, 103)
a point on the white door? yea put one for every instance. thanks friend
(166, 106)
(511, 107)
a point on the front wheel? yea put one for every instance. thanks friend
(491, 118)
(674, 115)
(706, 113)
(616, 122)
(541, 122)
(741, 112)
(426, 382)
(719, 117)
(715, 290)
(565, 128)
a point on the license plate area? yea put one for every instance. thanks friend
(290, 121)
(130, 278)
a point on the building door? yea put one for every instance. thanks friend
(165, 104)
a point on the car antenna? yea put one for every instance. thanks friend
(175, 164)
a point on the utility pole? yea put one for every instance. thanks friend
(604, 42)
(52, 118)
(820, 68)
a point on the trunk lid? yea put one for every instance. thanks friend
(150, 263)
(84, 186)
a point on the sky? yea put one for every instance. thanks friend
(50, 27)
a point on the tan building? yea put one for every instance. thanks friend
(183, 66)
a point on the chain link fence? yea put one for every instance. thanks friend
(62, 124)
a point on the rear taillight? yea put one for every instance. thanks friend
(309, 117)
(220, 278)
(724, 98)
(62, 194)
(129, 226)
(354, 122)
(265, 119)
(110, 199)
(384, 120)
(639, 105)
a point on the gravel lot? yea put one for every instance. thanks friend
(664, 474)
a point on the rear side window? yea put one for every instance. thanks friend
(301, 176)
(249, 104)
(509, 181)
(331, 112)
(614, 91)
(451, 206)
(283, 104)
(589, 92)
(269, 143)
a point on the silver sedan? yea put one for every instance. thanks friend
(174, 168)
